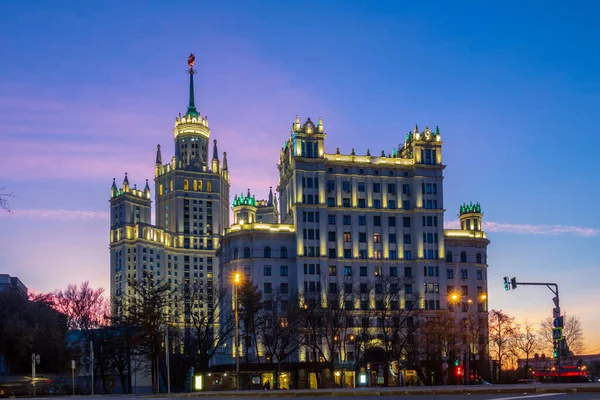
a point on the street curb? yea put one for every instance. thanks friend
(398, 392)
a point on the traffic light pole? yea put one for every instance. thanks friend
(554, 289)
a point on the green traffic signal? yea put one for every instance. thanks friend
(506, 283)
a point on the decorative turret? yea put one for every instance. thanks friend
(244, 209)
(158, 155)
(126, 183)
(114, 189)
(215, 159)
(320, 128)
(147, 189)
(270, 201)
(470, 217)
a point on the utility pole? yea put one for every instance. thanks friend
(92, 357)
(236, 282)
(167, 358)
(35, 360)
(73, 376)
(558, 323)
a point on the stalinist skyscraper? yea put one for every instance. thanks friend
(191, 214)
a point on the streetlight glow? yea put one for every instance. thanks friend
(236, 278)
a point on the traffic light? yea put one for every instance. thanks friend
(513, 283)
(459, 371)
(506, 283)
(555, 351)
(455, 361)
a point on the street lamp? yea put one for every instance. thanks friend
(454, 297)
(236, 282)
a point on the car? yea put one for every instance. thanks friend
(528, 382)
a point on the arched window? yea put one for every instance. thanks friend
(195, 185)
(236, 253)
(160, 189)
(267, 252)
(463, 257)
(170, 186)
(284, 252)
(199, 185)
(478, 258)
(209, 186)
(246, 252)
(186, 185)
(448, 256)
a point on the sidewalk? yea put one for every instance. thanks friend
(402, 391)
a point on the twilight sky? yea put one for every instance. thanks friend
(88, 89)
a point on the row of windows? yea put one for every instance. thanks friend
(364, 288)
(283, 270)
(361, 186)
(464, 274)
(283, 253)
(463, 257)
(311, 251)
(377, 270)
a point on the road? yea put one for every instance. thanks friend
(542, 396)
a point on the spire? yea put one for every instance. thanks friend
(158, 155)
(147, 187)
(113, 189)
(126, 183)
(215, 152)
(416, 130)
(224, 161)
(191, 105)
(437, 130)
(270, 203)
(248, 192)
(320, 125)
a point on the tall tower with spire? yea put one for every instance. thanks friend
(191, 214)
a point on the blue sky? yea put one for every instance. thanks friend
(88, 89)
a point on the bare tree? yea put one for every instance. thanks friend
(396, 325)
(572, 331)
(324, 325)
(502, 333)
(209, 327)
(527, 343)
(84, 306)
(278, 328)
(250, 303)
(150, 306)
(439, 338)
(4, 196)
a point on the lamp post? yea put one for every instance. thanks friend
(236, 282)
(454, 297)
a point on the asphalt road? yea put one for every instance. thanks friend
(542, 396)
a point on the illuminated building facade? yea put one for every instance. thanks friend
(341, 221)
(191, 215)
(365, 218)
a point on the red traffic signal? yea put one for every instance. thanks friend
(459, 371)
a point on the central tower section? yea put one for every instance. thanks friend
(191, 132)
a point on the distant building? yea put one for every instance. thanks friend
(8, 282)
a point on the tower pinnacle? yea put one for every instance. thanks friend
(192, 106)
